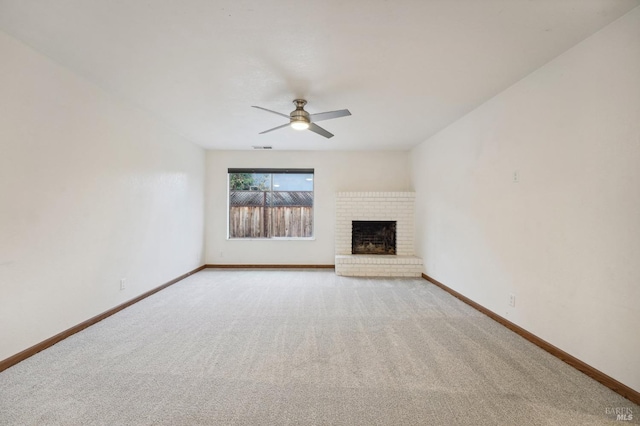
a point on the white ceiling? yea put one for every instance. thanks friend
(404, 68)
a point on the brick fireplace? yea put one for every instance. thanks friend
(372, 209)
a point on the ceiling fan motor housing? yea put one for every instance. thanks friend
(299, 115)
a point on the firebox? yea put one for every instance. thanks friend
(373, 237)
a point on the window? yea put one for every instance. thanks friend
(270, 203)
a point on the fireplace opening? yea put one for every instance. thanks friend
(373, 237)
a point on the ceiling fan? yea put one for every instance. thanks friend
(300, 119)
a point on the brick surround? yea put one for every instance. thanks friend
(397, 206)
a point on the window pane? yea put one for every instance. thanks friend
(292, 182)
(270, 205)
(249, 181)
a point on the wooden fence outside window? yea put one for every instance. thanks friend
(265, 214)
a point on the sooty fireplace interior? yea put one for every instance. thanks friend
(373, 237)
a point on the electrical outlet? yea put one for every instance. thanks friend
(221, 253)
(122, 284)
(516, 177)
(512, 300)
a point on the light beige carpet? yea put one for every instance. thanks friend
(300, 347)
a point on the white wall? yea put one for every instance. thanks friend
(565, 239)
(334, 172)
(91, 191)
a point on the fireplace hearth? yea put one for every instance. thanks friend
(373, 237)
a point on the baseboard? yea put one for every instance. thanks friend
(21, 356)
(610, 382)
(253, 266)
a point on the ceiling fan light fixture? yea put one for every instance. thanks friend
(299, 125)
